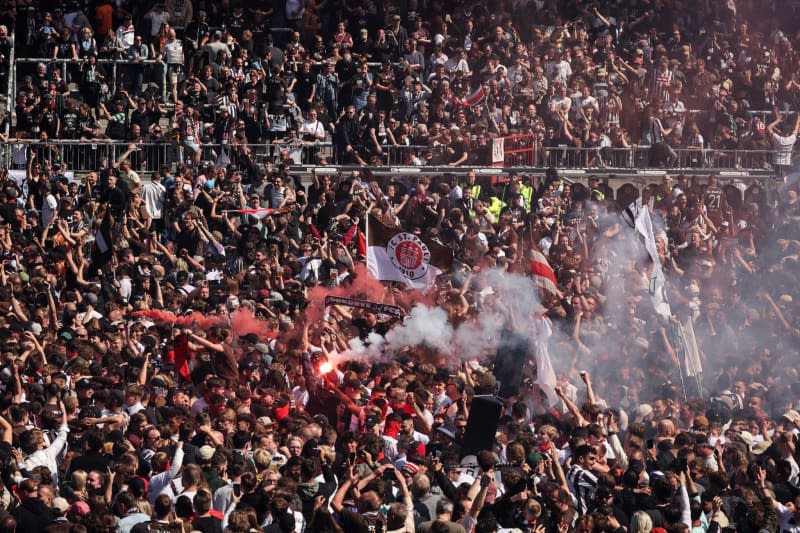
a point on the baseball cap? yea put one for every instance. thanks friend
(265, 421)
(792, 416)
(534, 459)
(641, 412)
(83, 384)
(60, 504)
(446, 431)
(410, 469)
(206, 452)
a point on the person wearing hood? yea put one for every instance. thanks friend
(311, 487)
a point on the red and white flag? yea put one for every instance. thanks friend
(542, 272)
(394, 255)
(475, 98)
(259, 212)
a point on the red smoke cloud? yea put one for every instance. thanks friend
(194, 319)
(364, 287)
(242, 321)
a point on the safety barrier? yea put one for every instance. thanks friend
(524, 152)
(10, 86)
(85, 156)
(88, 155)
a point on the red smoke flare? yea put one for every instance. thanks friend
(242, 321)
(364, 287)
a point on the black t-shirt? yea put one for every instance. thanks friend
(144, 118)
(459, 149)
(25, 117)
(8, 215)
(207, 524)
(117, 199)
(236, 24)
(305, 82)
(257, 501)
(326, 214)
(362, 523)
(84, 121)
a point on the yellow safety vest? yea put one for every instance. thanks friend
(527, 193)
(495, 206)
(600, 194)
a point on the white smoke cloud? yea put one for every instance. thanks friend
(371, 349)
(424, 326)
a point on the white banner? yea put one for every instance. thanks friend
(644, 225)
(691, 353)
(498, 150)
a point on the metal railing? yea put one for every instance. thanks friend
(86, 155)
(10, 89)
(603, 158)
(90, 155)
(115, 81)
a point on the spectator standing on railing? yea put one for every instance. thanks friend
(783, 139)
(172, 55)
(49, 206)
(190, 129)
(661, 153)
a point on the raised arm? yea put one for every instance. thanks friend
(216, 346)
(571, 407)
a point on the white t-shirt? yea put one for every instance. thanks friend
(153, 195)
(783, 148)
(49, 208)
(173, 52)
(315, 128)
(560, 103)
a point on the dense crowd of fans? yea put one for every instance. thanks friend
(167, 362)
(603, 76)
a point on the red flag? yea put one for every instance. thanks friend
(182, 355)
(542, 272)
(362, 243)
(475, 98)
(347, 238)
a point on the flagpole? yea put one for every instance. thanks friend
(366, 236)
